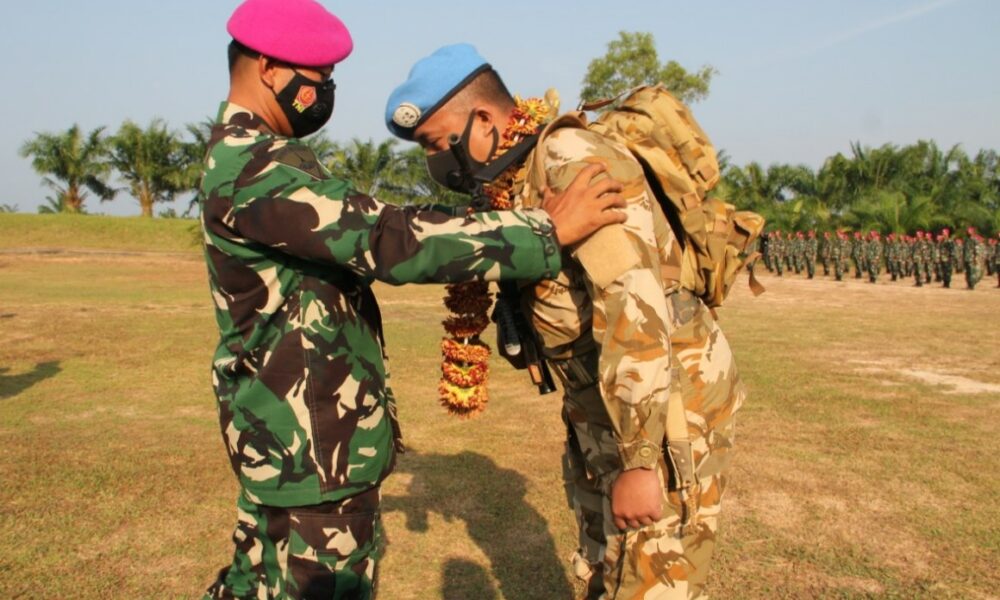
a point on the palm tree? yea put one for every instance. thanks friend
(72, 164)
(367, 165)
(195, 151)
(154, 162)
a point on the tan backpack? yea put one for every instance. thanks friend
(682, 168)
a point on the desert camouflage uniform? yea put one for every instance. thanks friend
(301, 378)
(620, 334)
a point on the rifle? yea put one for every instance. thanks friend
(519, 344)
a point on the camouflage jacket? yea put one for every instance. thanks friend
(973, 251)
(614, 301)
(811, 248)
(946, 251)
(300, 374)
(873, 249)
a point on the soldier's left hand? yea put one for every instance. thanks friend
(587, 205)
(636, 499)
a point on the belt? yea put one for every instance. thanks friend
(577, 372)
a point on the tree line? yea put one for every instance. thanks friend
(157, 164)
(890, 189)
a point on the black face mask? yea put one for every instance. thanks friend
(307, 104)
(446, 168)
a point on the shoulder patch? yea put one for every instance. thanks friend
(300, 157)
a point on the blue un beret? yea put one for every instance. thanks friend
(432, 82)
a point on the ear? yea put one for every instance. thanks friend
(267, 69)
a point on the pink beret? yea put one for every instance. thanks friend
(300, 32)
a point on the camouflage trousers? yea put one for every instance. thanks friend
(874, 270)
(663, 560)
(946, 272)
(973, 273)
(328, 551)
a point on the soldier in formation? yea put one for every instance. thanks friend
(946, 257)
(826, 252)
(811, 251)
(974, 258)
(857, 254)
(873, 256)
(924, 256)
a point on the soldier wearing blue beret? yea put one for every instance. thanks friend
(637, 352)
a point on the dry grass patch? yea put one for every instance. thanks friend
(854, 477)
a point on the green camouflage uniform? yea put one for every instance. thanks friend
(919, 261)
(620, 335)
(935, 259)
(973, 259)
(873, 258)
(777, 248)
(810, 252)
(946, 259)
(826, 253)
(857, 255)
(991, 257)
(838, 254)
(996, 261)
(794, 253)
(892, 257)
(301, 378)
(908, 252)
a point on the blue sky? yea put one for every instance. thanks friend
(799, 80)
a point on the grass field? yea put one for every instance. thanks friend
(868, 461)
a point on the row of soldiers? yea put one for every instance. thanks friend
(923, 256)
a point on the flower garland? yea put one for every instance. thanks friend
(465, 369)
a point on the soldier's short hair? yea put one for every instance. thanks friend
(238, 51)
(488, 87)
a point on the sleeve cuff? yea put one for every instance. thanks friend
(542, 226)
(642, 454)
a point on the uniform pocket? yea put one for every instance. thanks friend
(333, 548)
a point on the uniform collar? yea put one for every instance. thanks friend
(234, 114)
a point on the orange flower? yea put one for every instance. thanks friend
(465, 376)
(457, 352)
(464, 402)
(466, 367)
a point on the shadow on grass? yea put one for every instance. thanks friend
(12, 385)
(490, 500)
